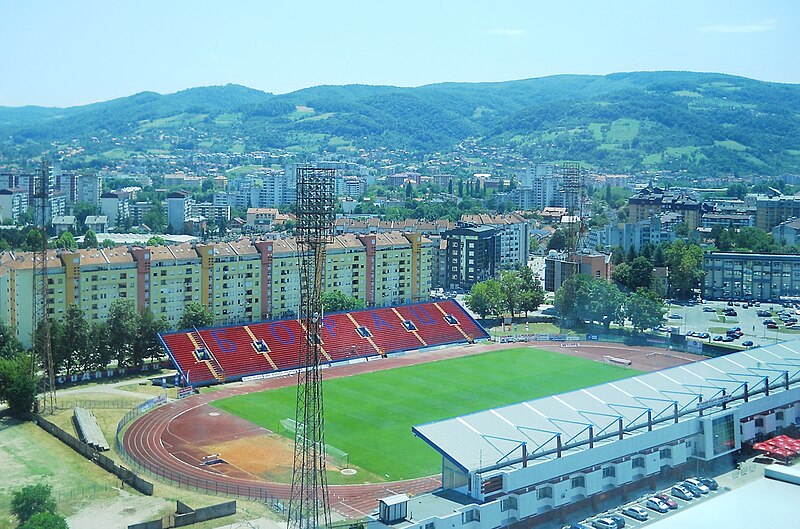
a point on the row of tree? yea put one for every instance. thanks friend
(514, 292)
(127, 338)
(587, 299)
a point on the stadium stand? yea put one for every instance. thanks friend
(220, 354)
(88, 430)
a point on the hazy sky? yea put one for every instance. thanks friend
(68, 52)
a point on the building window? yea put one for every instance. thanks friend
(760, 422)
(544, 492)
(578, 481)
(609, 472)
(472, 515)
(778, 415)
(665, 453)
(507, 504)
(638, 462)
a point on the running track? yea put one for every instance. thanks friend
(157, 439)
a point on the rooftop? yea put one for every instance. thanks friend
(494, 438)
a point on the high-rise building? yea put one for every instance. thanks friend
(89, 189)
(472, 255)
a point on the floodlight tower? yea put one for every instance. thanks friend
(308, 504)
(42, 352)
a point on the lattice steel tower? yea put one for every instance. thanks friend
(308, 504)
(573, 201)
(42, 352)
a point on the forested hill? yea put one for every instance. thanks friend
(707, 123)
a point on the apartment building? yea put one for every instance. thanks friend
(655, 200)
(772, 210)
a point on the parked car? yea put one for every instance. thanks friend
(691, 488)
(619, 520)
(679, 491)
(767, 322)
(704, 335)
(672, 504)
(728, 338)
(772, 326)
(709, 309)
(699, 484)
(711, 483)
(717, 338)
(604, 523)
(675, 317)
(657, 505)
(747, 343)
(635, 512)
(577, 526)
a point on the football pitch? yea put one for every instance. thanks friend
(370, 415)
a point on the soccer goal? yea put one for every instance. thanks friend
(338, 458)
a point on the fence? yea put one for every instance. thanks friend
(185, 515)
(262, 493)
(106, 463)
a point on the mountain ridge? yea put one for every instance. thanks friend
(628, 121)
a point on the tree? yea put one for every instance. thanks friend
(631, 254)
(196, 315)
(32, 499)
(571, 295)
(685, 263)
(338, 301)
(71, 339)
(98, 351)
(645, 309)
(18, 384)
(484, 298)
(156, 218)
(409, 190)
(532, 292)
(10, 346)
(122, 327)
(45, 520)
(148, 346)
(89, 239)
(605, 303)
(66, 240)
(636, 274)
(450, 186)
(617, 255)
(558, 241)
(155, 240)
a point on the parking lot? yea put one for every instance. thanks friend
(694, 318)
(652, 515)
(728, 478)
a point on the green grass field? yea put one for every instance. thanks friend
(370, 415)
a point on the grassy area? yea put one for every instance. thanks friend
(29, 455)
(370, 416)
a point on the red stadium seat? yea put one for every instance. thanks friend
(269, 346)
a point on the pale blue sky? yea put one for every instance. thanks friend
(62, 53)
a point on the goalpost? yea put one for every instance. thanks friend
(335, 456)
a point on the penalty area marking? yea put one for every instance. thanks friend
(349, 471)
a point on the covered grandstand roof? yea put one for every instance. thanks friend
(493, 438)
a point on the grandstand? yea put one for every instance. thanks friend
(221, 354)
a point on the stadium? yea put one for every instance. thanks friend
(562, 446)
